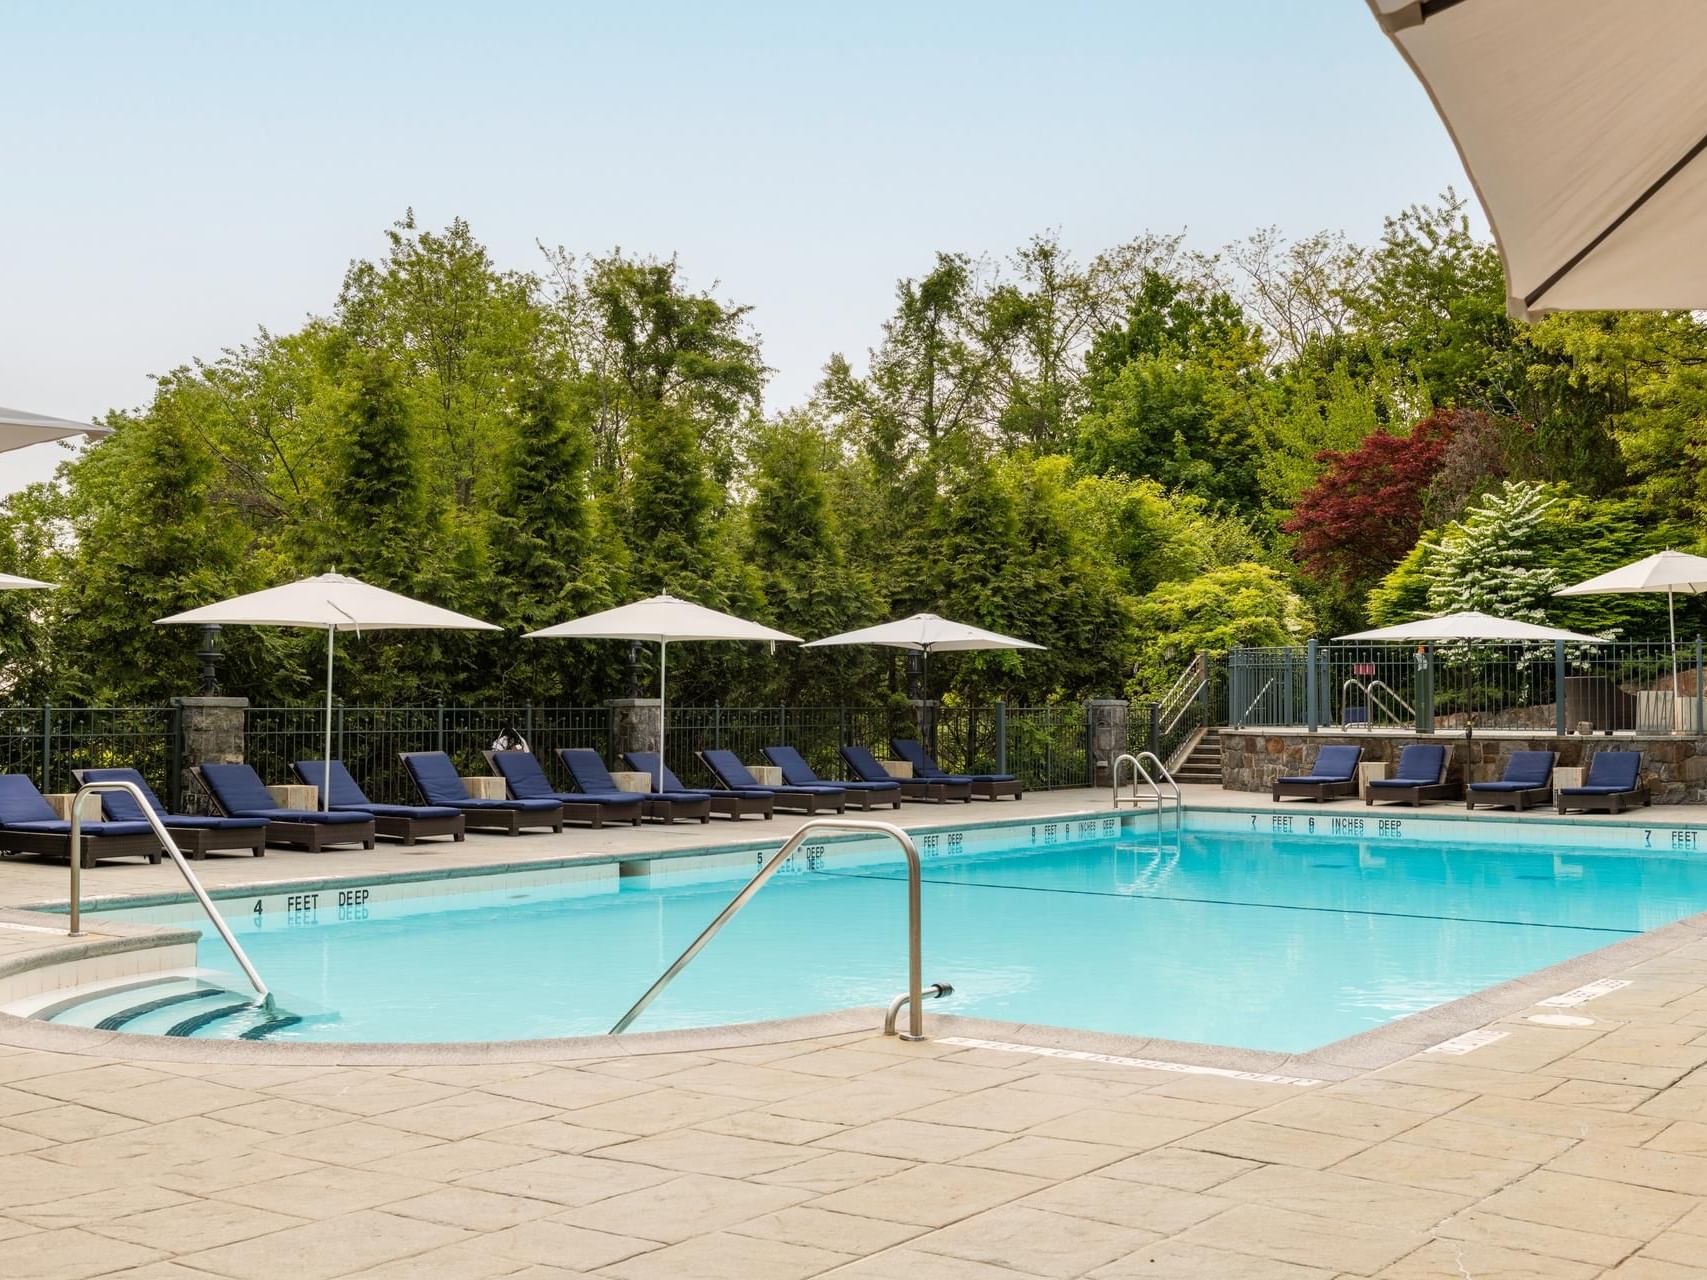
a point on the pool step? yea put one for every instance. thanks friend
(182, 1003)
(1202, 763)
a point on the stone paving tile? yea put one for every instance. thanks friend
(1589, 1204)
(351, 1143)
(452, 1160)
(559, 1136)
(1597, 1093)
(1645, 1268)
(908, 1263)
(1178, 1167)
(1045, 1157)
(1677, 1246)
(657, 1111)
(1274, 1144)
(1340, 1195)
(834, 1172)
(471, 1261)
(224, 1172)
(1429, 1099)
(567, 1180)
(1173, 1260)
(326, 1192)
(1455, 1259)
(1482, 1227)
(721, 1256)
(1342, 1118)
(694, 1151)
(96, 1206)
(321, 1250)
(1470, 1077)
(1437, 1168)
(1002, 1108)
(361, 1093)
(1035, 1241)
(690, 1205)
(1158, 1210)
(859, 1101)
(70, 1254)
(1134, 1131)
(1686, 1135)
(908, 1139)
(930, 1196)
(763, 1126)
(59, 1122)
(463, 1116)
(566, 1088)
(552, 1243)
(838, 1232)
(1496, 1141)
(1643, 1166)
(1304, 1239)
(196, 1224)
(172, 1098)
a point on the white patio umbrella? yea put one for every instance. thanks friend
(11, 582)
(926, 633)
(1470, 626)
(1668, 571)
(19, 430)
(660, 620)
(331, 602)
(1583, 128)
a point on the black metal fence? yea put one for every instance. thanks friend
(47, 743)
(369, 740)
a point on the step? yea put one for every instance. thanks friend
(182, 1003)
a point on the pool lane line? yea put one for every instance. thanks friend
(1234, 902)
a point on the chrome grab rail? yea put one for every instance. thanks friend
(914, 994)
(172, 851)
(1185, 692)
(1139, 771)
(1262, 693)
(1374, 691)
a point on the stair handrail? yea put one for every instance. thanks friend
(172, 851)
(1138, 770)
(1245, 715)
(1374, 691)
(1185, 690)
(916, 990)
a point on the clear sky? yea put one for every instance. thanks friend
(177, 174)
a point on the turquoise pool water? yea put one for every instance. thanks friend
(1260, 941)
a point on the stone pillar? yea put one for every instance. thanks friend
(1107, 736)
(213, 730)
(636, 725)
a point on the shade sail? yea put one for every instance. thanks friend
(331, 601)
(927, 633)
(662, 620)
(1583, 128)
(11, 582)
(19, 430)
(1470, 626)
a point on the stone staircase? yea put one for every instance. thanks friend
(1202, 763)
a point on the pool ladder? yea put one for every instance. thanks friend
(911, 999)
(1134, 797)
(172, 851)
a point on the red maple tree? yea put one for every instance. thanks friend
(1364, 512)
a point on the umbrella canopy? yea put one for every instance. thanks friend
(1470, 626)
(19, 430)
(331, 602)
(661, 619)
(11, 582)
(1581, 126)
(927, 633)
(1672, 572)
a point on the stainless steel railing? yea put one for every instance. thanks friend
(914, 994)
(1139, 771)
(173, 852)
(1374, 694)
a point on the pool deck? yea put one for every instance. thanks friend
(1570, 1147)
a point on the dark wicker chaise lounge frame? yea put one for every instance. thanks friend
(985, 786)
(866, 768)
(525, 779)
(731, 773)
(405, 822)
(437, 782)
(47, 833)
(724, 804)
(195, 836)
(587, 768)
(1614, 784)
(1334, 775)
(1419, 775)
(1528, 780)
(861, 795)
(291, 827)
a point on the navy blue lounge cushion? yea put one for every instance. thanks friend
(913, 752)
(1610, 773)
(62, 827)
(865, 765)
(20, 802)
(587, 767)
(734, 775)
(1422, 764)
(797, 773)
(1333, 764)
(1524, 771)
(320, 817)
(241, 793)
(525, 776)
(400, 810)
(347, 793)
(121, 806)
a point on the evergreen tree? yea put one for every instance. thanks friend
(1486, 561)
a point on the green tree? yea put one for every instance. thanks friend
(1240, 605)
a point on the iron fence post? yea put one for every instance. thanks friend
(175, 764)
(1286, 687)
(1002, 735)
(1425, 688)
(47, 749)
(1090, 744)
(527, 723)
(1155, 734)
(1559, 726)
(338, 741)
(440, 735)
(1207, 695)
(1311, 685)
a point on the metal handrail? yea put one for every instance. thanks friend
(1138, 770)
(1187, 698)
(1261, 694)
(172, 851)
(1373, 691)
(915, 963)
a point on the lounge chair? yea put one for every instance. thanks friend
(238, 792)
(735, 804)
(865, 795)
(1420, 775)
(524, 776)
(438, 783)
(1527, 780)
(405, 822)
(196, 835)
(866, 768)
(28, 824)
(727, 768)
(985, 786)
(1333, 774)
(1613, 784)
(588, 770)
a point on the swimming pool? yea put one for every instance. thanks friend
(1254, 939)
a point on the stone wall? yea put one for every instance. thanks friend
(1674, 768)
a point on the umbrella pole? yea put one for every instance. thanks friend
(1671, 624)
(663, 726)
(326, 781)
